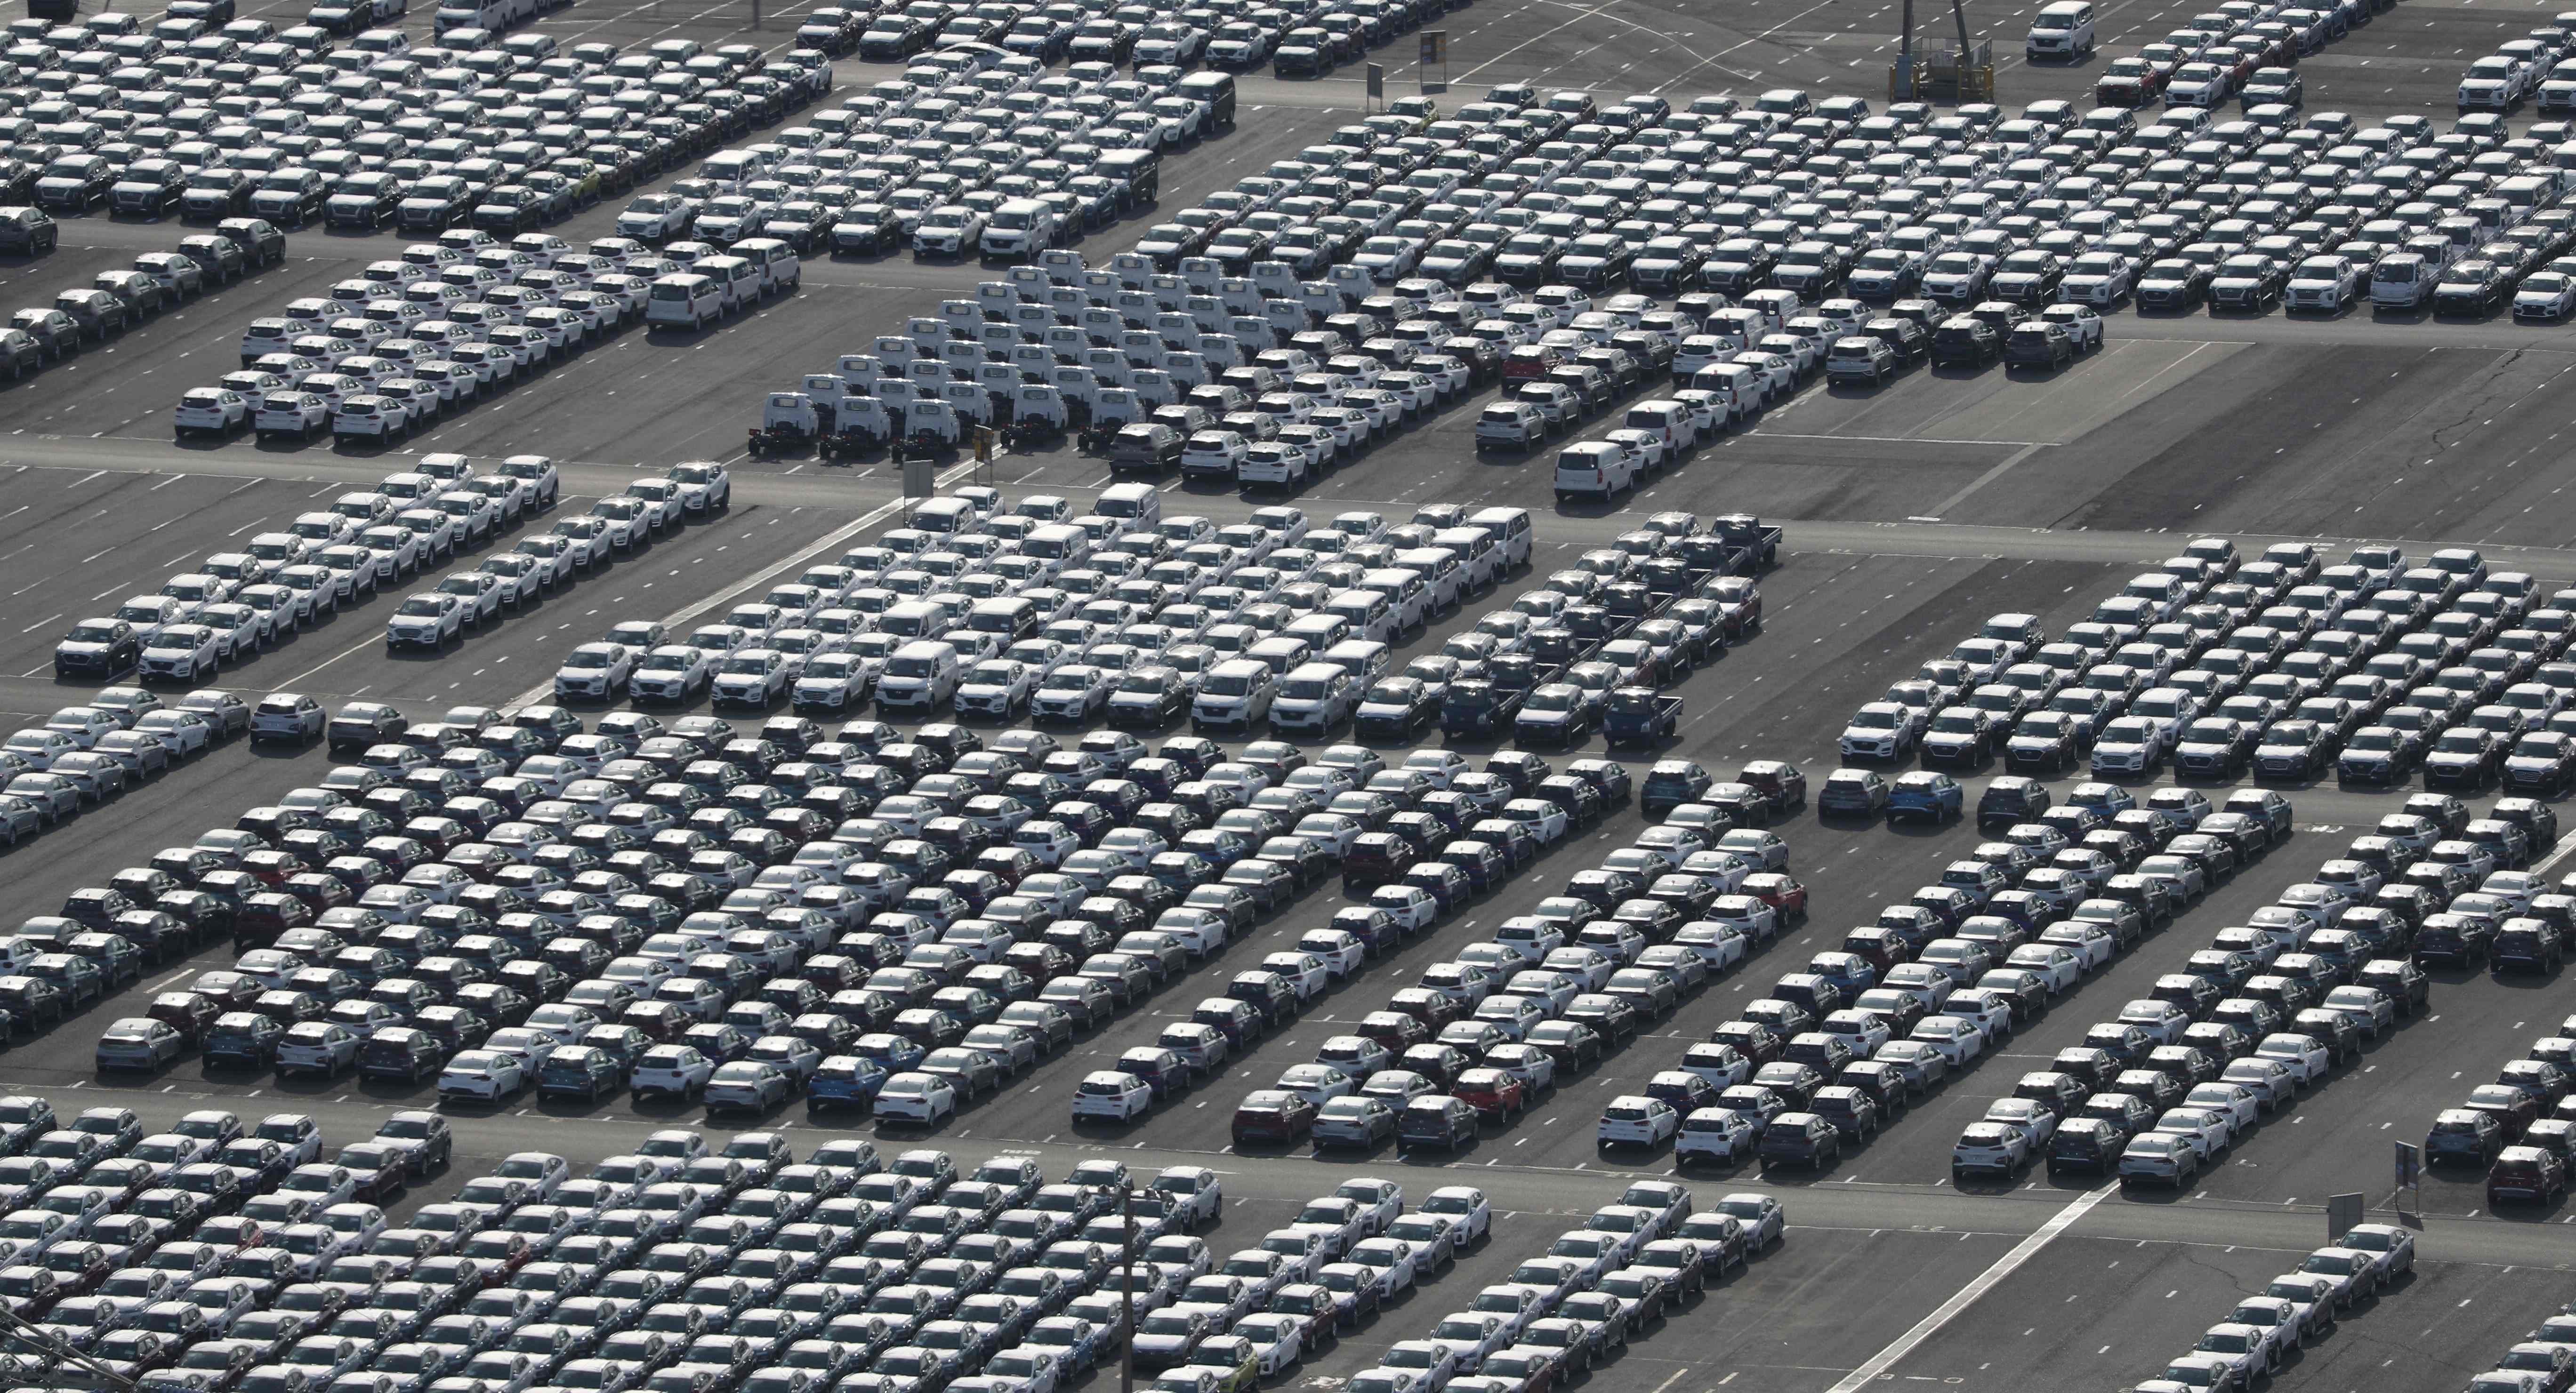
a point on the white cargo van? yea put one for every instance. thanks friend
(687, 299)
(2063, 29)
(1132, 505)
(1593, 469)
(921, 673)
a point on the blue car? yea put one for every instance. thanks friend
(1926, 794)
(893, 1053)
(845, 1081)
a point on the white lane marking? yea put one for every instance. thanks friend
(1966, 1296)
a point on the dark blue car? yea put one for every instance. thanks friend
(1925, 794)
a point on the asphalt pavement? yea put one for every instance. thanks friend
(1913, 512)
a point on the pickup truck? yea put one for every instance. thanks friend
(1710, 555)
(1638, 717)
(1558, 713)
(1475, 707)
(1748, 531)
(1596, 625)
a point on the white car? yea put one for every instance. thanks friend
(1110, 1095)
(752, 677)
(1720, 1134)
(426, 620)
(1635, 1120)
(914, 1096)
(302, 415)
(181, 653)
(1000, 687)
(674, 672)
(671, 1071)
(371, 417)
(2208, 1131)
(209, 411)
(595, 670)
(485, 1076)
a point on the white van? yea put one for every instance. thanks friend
(2063, 29)
(1315, 697)
(1669, 420)
(2402, 281)
(1366, 660)
(921, 673)
(687, 298)
(1021, 227)
(943, 516)
(781, 272)
(1593, 469)
(1370, 613)
(1057, 544)
(1234, 695)
(1403, 587)
(1133, 505)
(489, 15)
(1511, 531)
(729, 170)
(1739, 387)
(739, 277)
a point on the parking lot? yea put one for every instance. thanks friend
(1912, 512)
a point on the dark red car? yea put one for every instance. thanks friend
(1495, 1095)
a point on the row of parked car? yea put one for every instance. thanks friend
(2274, 1007)
(1298, 37)
(86, 316)
(972, 152)
(1122, 614)
(2375, 670)
(2247, 51)
(208, 1257)
(1610, 1280)
(2296, 1309)
(1427, 861)
(463, 968)
(448, 325)
(2527, 67)
(2544, 1356)
(234, 605)
(205, 122)
(1481, 1036)
(2516, 1126)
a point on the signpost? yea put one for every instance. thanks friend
(1376, 87)
(2342, 1212)
(1435, 49)
(2410, 1174)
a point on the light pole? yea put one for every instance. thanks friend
(1127, 1288)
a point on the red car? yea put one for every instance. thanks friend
(2130, 82)
(1781, 891)
(1495, 1095)
(1393, 1029)
(1271, 1116)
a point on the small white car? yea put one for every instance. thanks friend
(1113, 1096)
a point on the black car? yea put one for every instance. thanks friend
(2174, 284)
(148, 188)
(1962, 341)
(892, 37)
(98, 648)
(1911, 341)
(2038, 345)
(28, 231)
(258, 238)
(2293, 749)
(1799, 1139)
(2476, 287)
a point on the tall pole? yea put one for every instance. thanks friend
(1913, 85)
(1127, 1290)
